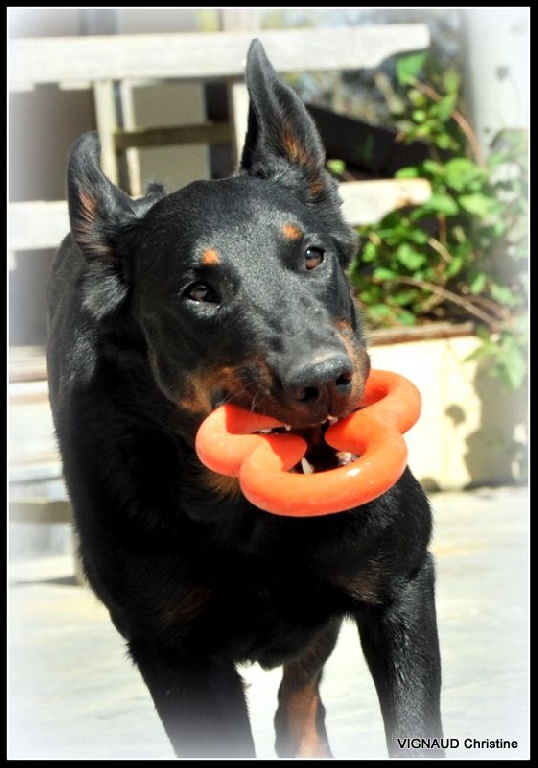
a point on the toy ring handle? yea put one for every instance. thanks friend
(390, 406)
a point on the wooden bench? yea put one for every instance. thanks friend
(102, 62)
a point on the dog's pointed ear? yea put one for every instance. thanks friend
(281, 135)
(102, 219)
(283, 144)
(100, 212)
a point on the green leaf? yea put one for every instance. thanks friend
(408, 67)
(409, 256)
(496, 158)
(479, 204)
(451, 81)
(369, 252)
(513, 368)
(402, 298)
(506, 356)
(478, 283)
(427, 129)
(459, 234)
(441, 202)
(383, 274)
(371, 295)
(379, 311)
(463, 250)
(417, 236)
(480, 353)
(433, 167)
(390, 221)
(446, 142)
(455, 266)
(445, 107)
(337, 167)
(407, 318)
(503, 295)
(419, 213)
(405, 127)
(407, 173)
(460, 172)
(417, 98)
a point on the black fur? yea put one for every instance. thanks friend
(160, 310)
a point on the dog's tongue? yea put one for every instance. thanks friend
(319, 456)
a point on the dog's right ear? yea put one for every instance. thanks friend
(99, 212)
(103, 218)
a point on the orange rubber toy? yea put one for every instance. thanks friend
(228, 442)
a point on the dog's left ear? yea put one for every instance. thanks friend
(283, 145)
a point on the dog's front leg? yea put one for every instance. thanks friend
(200, 701)
(400, 643)
(300, 718)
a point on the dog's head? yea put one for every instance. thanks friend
(238, 285)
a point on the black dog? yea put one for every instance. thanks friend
(162, 309)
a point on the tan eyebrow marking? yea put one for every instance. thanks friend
(210, 256)
(291, 232)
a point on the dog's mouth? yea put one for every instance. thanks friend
(319, 456)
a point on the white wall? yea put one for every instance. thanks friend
(498, 68)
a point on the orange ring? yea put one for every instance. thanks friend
(226, 443)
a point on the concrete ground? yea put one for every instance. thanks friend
(73, 694)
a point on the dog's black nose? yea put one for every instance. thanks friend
(325, 380)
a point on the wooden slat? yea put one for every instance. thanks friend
(106, 118)
(32, 446)
(365, 202)
(27, 364)
(29, 393)
(383, 336)
(238, 100)
(39, 510)
(37, 224)
(210, 132)
(204, 55)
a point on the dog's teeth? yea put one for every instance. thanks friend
(332, 420)
(265, 431)
(287, 427)
(308, 469)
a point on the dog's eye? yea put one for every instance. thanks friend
(313, 257)
(201, 292)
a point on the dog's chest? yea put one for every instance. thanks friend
(261, 610)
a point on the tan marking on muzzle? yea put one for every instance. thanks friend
(357, 354)
(200, 385)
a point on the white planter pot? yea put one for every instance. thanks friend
(471, 429)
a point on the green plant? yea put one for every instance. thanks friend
(462, 255)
